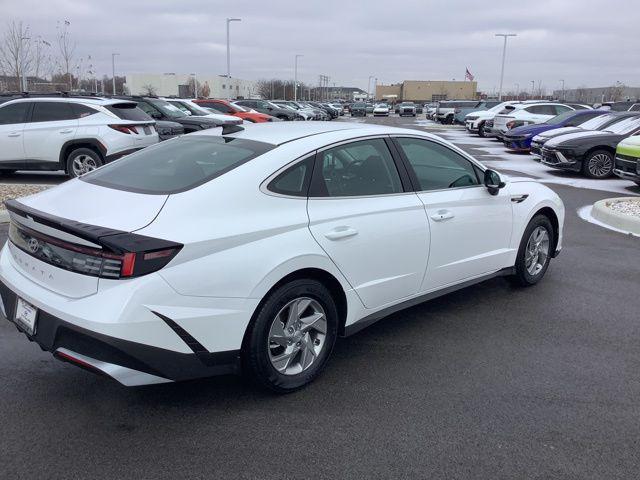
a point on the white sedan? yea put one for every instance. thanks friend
(254, 248)
(381, 110)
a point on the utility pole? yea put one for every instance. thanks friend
(504, 54)
(533, 88)
(517, 91)
(562, 90)
(229, 20)
(113, 71)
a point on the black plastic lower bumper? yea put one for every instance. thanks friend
(53, 333)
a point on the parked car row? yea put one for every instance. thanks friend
(597, 143)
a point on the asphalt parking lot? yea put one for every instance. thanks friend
(489, 382)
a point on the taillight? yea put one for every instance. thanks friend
(115, 262)
(128, 129)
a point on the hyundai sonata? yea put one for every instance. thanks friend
(254, 248)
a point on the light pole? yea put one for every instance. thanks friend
(517, 91)
(113, 71)
(295, 77)
(229, 20)
(562, 89)
(369, 87)
(533, 88)
(22, 66)
(504, 53)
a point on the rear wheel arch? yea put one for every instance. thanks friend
(71, 145)
(325, 278)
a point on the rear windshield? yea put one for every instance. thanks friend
(128, 111)
(177, 165)
(624, 127)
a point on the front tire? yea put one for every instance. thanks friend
(598, 164)
(291, 336)
(535, 251)
(81, 161)
(481, 130)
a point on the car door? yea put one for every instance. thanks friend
(12, 121)
(364, 216)
(470, 228)
(52, 124)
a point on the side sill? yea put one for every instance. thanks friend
(374, 317)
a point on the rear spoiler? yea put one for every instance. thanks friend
(116, 241)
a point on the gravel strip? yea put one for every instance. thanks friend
(627, 207)
(10, 190)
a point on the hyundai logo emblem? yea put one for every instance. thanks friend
(33, 245)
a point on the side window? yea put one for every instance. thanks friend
(220, 107)
(362, 168)
(52, 112)
(436, 166)
(81, 111)
(635, 108)
(295, 180)
(558, 109)
(14, 113)
(148, 109)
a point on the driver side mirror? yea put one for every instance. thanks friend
(492, 181)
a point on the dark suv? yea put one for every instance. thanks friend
(162, 110)
(269, 108)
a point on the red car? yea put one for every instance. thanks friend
(228, 108)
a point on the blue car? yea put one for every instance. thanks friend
(519, 138)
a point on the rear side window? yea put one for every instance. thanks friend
(81, 111)
(362, 168)
(220, 107)
(177, 165)
(295, 180)
(128, 111)
(14, 113)
(52, 112)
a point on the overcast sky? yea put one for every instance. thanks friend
(585, 42)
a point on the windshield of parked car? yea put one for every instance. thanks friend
(558, 119)
(177, 165)
(195, 110)
(625, 126)
(501, 108)
(166, 108)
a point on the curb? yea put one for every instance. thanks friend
(602, 212)
(4, 216)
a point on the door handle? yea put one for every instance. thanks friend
(14, 134)
(341, 232)
(441, 215)
(66, 131)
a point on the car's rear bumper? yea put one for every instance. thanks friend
(131, 363)
(137, 331)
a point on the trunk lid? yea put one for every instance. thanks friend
(54, 232)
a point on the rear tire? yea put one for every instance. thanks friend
(284, 351)
(481, 130)
(81, 161)
(599, 164)
(535, 251)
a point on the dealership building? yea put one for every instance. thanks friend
(181, 85)
(427, 91)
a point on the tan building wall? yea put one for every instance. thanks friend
(426, 90)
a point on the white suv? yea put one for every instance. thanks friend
(526, 114)
(74, 134)
(475, 122)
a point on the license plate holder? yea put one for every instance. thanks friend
(26, 316)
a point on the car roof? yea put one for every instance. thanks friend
(85, 100)
(278, 133)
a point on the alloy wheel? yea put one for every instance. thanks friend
(82, 164)
(537, 251)
(600, 165)
(297, 336)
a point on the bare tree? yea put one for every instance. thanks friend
(15, 51)
(205, 91)
(66, 50)
(148, 89)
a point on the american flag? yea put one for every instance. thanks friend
(468, 75)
